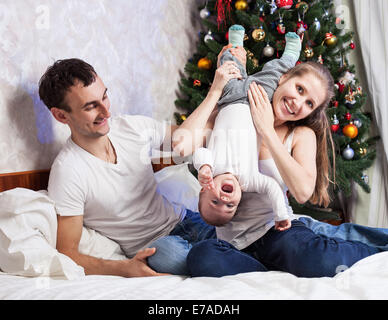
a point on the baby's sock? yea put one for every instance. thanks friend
(293, 45)
(236, 35)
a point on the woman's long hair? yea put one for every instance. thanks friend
(318, 122)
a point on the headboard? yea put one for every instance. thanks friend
(38, 179)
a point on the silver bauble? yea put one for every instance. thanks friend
(268, 51)
(348, 153)
(208, 36)
(316, 24)
(204, 13)
(357, 122)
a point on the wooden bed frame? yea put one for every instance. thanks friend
(38, 179)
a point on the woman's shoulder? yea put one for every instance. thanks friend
(303, 134)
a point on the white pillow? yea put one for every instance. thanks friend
(178, 185)
(28, 228)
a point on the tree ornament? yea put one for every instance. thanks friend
(316, 24)
(348, 153)
(335, 124)
(284, 4)
(330, 39)
(241, 5)
(280, 27)
(357, 122)
(350, 130)
(352, 45)
(223, 8)
(204, 13)
(301, 27)
(302, 6)
(348, 116)
(340, 87)
(320, 59)
(362, 151)
(273, 7)
(183, 117)
(268, 51)
(208, 37)
(204, 63)
(197, 83)
(350, 99)
(335, 104)
(258, 34)
(309, 52)
(365, 178)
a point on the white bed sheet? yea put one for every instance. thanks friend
(367, 279)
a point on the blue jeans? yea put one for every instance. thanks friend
(375, 237)
(297, 250)
(171, 251)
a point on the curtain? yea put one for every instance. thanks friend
(371, 18)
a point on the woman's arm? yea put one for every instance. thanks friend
(192, 133)
(299, 170)
(196, 129)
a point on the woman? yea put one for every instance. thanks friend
(297, 110)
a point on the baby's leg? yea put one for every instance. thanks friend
(236, 38)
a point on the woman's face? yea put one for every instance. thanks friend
(296, 97)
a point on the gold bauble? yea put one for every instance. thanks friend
(183, 117)
(258, 34)
(330, 39)
(204, 63)
(241, 5)
(350, 130)
(309, 52)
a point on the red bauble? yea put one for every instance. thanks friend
(285, 4)
(334, 127)
(348, 116)
(352, 45)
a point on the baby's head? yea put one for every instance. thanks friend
(219, 204)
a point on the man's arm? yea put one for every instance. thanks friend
(68, 237)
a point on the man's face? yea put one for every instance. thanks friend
(89, 109)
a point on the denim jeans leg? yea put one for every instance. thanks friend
(218, 258)
(171, 251)
(375, 237)
(170, 256)
(303, 253)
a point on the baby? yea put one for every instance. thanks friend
(229, 164)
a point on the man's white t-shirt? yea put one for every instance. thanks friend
(118, 200)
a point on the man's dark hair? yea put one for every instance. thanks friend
(59, 77)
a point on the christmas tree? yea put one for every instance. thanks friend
(324, 41)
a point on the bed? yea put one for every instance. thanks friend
(31, 268)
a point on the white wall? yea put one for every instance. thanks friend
(138, 48)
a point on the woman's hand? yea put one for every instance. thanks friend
(261, 109)
(223, 74)
(238, 52)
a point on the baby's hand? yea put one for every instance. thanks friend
(282, 225)
(205, 177)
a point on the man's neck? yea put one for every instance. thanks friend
(96, 146)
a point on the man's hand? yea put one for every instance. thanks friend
(138, 267)
(205, 177)
(282, 225)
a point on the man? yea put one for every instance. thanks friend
(103, 179)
